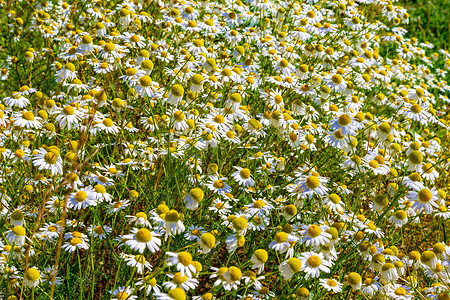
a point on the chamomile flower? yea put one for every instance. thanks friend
(17, 235)
(32, 277)
(172, 223)
(69, 117)
(82, 199)
(282, 241)
(424, 199)
(207, 241)
(123, 292)
(139, 219)
(220, 206)
(311, 185)
(313, 263)
(181, 281)
(100, 231)
(243, 176)
(290, 267)
(416, 112)
(397, 291)
(107, 125)
(314, 235)
(141, 239)
(27, 120)
(336, 82)
(17, 100)
(137, 261)
(331, 285)
(74, 244)
(258, 259)
(136, 41)
(231, 278)
(148, 284)
(48, 160)
(173, 294)
(176, 94)
(183, 262)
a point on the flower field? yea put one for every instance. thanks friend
(256, 149)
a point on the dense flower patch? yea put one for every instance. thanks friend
(221, 150)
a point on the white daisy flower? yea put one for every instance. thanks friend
(48, 160)
(331, 285)
(290, 267)
(313, 263)
(137, 261)
(315, 235)
(282, 242)
(183, 262)
(82, 199)
(140, 239)
(27, 120)
(181, 281)
(423, 199)
(243, 176)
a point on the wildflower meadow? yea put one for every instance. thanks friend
(233, 149)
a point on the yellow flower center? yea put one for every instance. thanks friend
(416, 108)
(400, 214)
(336, 79)
(245, 173)
(68, 110)
(261, 255)
(143, 235)
(75, 241)
(99, 230)
(185, 258)
(354, 278)
(177, 90)
(344, 120)
(424, 195)
(177, 294)
(122, 295)
(17, 215)
(145, 81)
(235, 273)
(28, 116)
(240, 223)
(314, 231)
(415, 157)
(259, 204)
(19, 230)
(32, 274)
(107, 122)
(208, 239)
(295, 264)
(197, 194)
(109, 47)
(134, 39)
(172, 216)
(312, 182)
(179, 116)
(374, 164)
(178, 279)
(400, 291)
(142, 215)
(281, 237)
(80, 196)
(140, 258)
(332, 282)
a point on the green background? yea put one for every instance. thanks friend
(429, 21)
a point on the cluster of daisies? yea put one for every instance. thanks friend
(256, 149)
